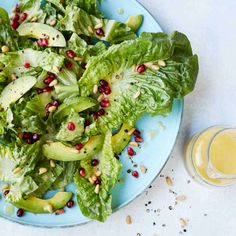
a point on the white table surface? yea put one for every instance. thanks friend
(211, 27)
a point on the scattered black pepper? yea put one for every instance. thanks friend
(205, 214)
(129, 171)
(162, 176)
(126, 131)
(154, 223)
(145, 204)
(188, 182)
(185, 230)
(150, 186)
(149, 202)
(163, 225)
(124, 139)
(147, 210)
(170, 208)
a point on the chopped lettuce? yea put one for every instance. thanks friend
(152, 91)
(98, 205)
(79, 21)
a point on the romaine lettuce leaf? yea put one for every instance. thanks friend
(14, 62)
(79, 21)
(93, 205)
(152, 91)
(8, 36)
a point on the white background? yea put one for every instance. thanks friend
(211, 27)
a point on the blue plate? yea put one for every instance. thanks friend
(159, 135)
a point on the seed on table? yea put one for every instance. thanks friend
(6, 192)
(182, 222)
(169, 181)
(141, 68)
(128, 220)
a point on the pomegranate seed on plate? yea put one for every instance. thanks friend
(141, 68)
(135, 174)
(138, 139)
(100, 32)
(82, 172)
(131, 151)
(24, 16)
(42, 42)
(70, 204)
(48, 80)
(103, 82)
(68, 64)
(70, 53)
(71, 126)
(20, 212)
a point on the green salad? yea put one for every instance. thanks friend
(72, 86)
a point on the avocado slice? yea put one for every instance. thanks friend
(16, 89)
(134, 22)
(78, 104)
(60, 152)
(121, 139)
(40, 30)
(40, 206)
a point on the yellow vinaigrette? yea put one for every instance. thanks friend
(211, 156)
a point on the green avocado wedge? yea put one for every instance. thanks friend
(134, 22)
(16, 89)
(78, 104)
(40, 206)
(60, 152)
(121, 139)
(39, 30)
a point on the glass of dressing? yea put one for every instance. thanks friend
(211, 156)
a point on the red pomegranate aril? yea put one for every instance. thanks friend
(107, 90)
(101, 112)
(106, 100)
(47, 89)
(20, 212)
(105, 104)
(103, 83)
(51, 75)
(48, 80)
(82, 172)
(98, 181)
(16, 18)
(71, 126)
(70, 53)
(26, 135)
(83, 65)
(29, 141)
(15, 24)
(43, 42)
(79, 146)
(135, 173)
(27, 65)
(101, 89)
(100, 32)
(95, 115)
(68, 64)
(6, 192)
(24, 16)
(138, 139)
(131, 151)
(141, 68)
(56, 103)
(87, 123)
(137, 133)
(17, 8)
(94, 162)
(70, 204)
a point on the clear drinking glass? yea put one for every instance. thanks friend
(211, 156)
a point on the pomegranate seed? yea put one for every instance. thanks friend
(17, 8)
(24, 16)
(101, 112)
(39, 90)
(83, 65)
(42, 42)
(103, 83)
(131, 151)
(107, 90)
(98, 181)
(101, 89)
(14, 24)
(141, 68)
(71, 126)
(16, 18)
(135, 173)
(100, 32)
(48, 80)
(56, 103)
(137, 133)
(106, 100)
(35, 137)
(27, 65)
(70, 53)
(20, 212)
(95, 115)
(68, 64)
(70, 204)
(29, 141)
(94, 162)
(82, 172)
(105, 104)
(47, 89)
(6, 192)
(79, 146)
(51, 75)
(138, 139)
(87, 123)
(26, 135)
